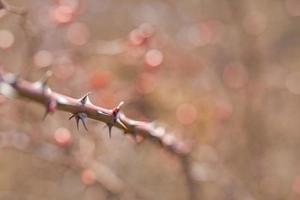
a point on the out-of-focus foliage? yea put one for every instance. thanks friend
(222, 73)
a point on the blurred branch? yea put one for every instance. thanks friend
(185, 163)
(82, 109)
(104, 176)
(12, 9)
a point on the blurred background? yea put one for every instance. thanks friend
(224, 74)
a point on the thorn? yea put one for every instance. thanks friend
(120, 105)
(115, 118)
(85, 99)
(109, 129)
(77, 122)
(43, 83)
(45, 79)
(50, 107)
(116, 110)
(83, 117)
(80, 117)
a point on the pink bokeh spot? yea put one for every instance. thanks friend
(154, 58)
(62, 136)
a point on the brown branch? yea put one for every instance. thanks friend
(12, 9)
(82, 109)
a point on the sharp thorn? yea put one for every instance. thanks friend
(120, 104)
(85, 99)
(77, 121)
(109, 129)
(84, 125)
(45, 79)
(45, 115)
(82, 117)
(50, 107)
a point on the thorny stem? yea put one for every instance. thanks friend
(40, 93)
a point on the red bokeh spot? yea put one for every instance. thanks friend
(136, 37)
(99, 79)
(88, 177)
(186, 114)
(62, 14)
(139, 138)
(139, 35)
(62, 136)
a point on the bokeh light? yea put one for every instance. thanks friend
(43, 58)
(100, 79)
(78, 33)
(7, 39)
(62, 136)
(62, 14)
(88, 177)
(186, 113)
(136, 37)
(217, 79)
(154, 57)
